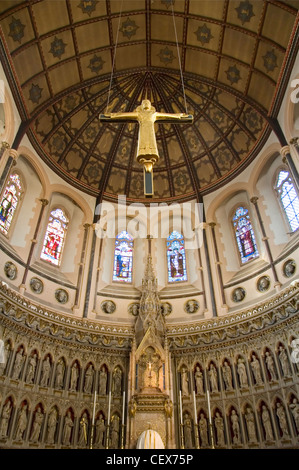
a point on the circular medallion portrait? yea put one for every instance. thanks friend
(36, 285)
(238, 294)
(263, 283)
(191, 306)
(166, 308)
(108, 306)
(61, 296)
(289, 268)
(10, 270)
(133, 309)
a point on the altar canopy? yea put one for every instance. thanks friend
(150, 439)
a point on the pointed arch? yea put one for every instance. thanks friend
(288, 198)
(10, 201)
(123, 257)
(244, 234)
(176, 257)
(54, 239)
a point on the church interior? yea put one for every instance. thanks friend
(149, 287)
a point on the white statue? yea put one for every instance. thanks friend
(284, 361)
(294, 406)
(45, 374)
(242, 373)
(184, 381)
(256, 369)
(188, 432)
(18, 364)
(227, 376)
(22, 422)
(5, 417)
(267, 423)
(67, 429)
(100, 432)
(213, 378)
(74, 377)
(282, 418)
(219, 424)
(51, 426)
(249, 416)
(59, 376)
(235, 427)
(271, 366)
(203, 430)
(37, 423)
(88, 379)
(199, 381)
(103, 381)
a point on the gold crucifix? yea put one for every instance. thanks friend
(147, 150)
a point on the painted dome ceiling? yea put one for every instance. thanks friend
(226, 62)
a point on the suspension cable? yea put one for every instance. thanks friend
(177, 45)
(114, 55)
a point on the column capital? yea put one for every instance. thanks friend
(212, 224)
(44, 202)
(295, 141)
(284, 151)
(14, 154)
(254, 199)
(5, 145)
(86, 226)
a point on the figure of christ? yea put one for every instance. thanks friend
(146, 115)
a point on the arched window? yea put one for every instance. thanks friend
(288, 198)
(123, 257)
(9, 202)
(176, 258)
(244, 235)
(55, 237)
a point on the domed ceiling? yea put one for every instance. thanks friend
(226, 62)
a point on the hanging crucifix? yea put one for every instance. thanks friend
(147, 151)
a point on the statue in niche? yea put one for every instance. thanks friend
(185, 382)
(117, 381)
(250, 422)
(227, 376)
(18, 364)
(114, 440)
(256, 369)
(59, 374)
(45, 374)
(51, 426)
(5, 417)
(82, 440)
(168, 408)
(203, 430)
(88, 379)
(74, 377)
(242, 373)
(103, 381)
(132, 407)
(199, 381)
(4, 355)
(67, 428)
(267, 423)
(219, 425)
(37, 424)
(188, 431)
(10, 270)
(100, 432)
(31, 368)
(284, 361)
(294, 407)
(213, 378)
(270, 366)
(235, 427)
(282, 418)
(22, 422)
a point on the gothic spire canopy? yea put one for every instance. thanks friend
(221, 61)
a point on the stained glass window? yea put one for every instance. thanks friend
(9, 201)
(176, 258)
(123, 257)
(289, 198)
(245, 235)
(55, 237)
